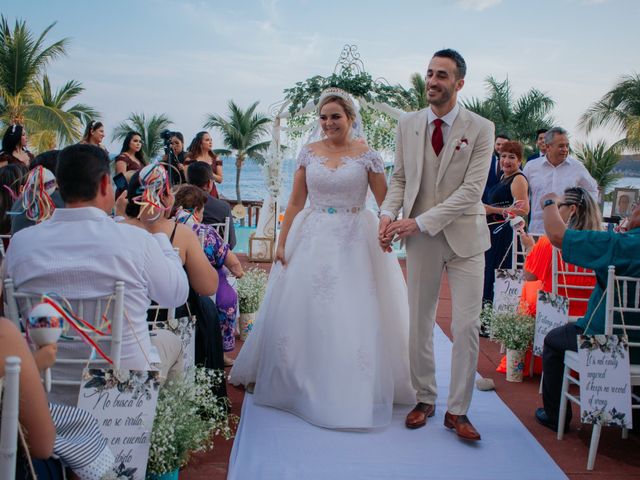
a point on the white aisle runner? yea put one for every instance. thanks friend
(274, 445)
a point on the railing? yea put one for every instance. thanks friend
(253, 208)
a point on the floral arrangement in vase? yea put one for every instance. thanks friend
(251, 288)
(188, 417)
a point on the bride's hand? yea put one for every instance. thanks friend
(280, 255)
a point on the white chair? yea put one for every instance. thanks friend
(223, 228)
(616, 285)
(2, 239)
(560, 270)
(518, 253)
(9, 427)
(20, 303)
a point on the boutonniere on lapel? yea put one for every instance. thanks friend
(462, 144)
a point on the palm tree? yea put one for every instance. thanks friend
(241, 132)
(418, 92)
(48, 109)
(23, 59)
(518, 118)
(600, 160)
(149, 129)
(619, 108)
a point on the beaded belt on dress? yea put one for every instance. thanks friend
(332, 210)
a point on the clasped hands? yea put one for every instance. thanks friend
(390, 230)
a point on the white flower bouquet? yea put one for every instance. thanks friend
(513, 329)
(251, 288)
(188, 417)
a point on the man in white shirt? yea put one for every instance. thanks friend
(80, 252)
(554, 173)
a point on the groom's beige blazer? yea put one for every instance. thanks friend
(443, 193)
(464, 161)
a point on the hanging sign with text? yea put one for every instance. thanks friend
(507, 289)
(124, 404)
(605, 381)
(551, 311)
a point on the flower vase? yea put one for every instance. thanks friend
(164, 476)
(246, 324)
(515, 365)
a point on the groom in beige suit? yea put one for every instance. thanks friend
(442, 158)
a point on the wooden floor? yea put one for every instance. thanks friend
(617, 459)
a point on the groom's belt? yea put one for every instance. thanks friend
(332, 210)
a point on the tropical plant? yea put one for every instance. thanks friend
(418, 92)
(25, 92)
(519, 118)
(600, 160)
(148, 128)
(49, 108)
(241, 132)
(619, 108)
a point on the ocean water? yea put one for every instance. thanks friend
(252, 181)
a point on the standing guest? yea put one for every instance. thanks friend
(542, 147)
(146, 263)
(554, 173)
(512, 187)
(191, 200)
(178, 156)
(11, 179)
(14, 146)
(442, 157)
(595, 250)
(215, 210)
(93, 134)
(494, 169)
(131, 158)
(200, 150)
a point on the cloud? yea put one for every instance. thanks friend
(477, 5)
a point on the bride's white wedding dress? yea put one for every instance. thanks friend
(330, 341)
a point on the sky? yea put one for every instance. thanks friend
(189, 58)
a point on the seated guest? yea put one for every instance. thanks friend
(80, 252)
(579, 211)
(215, 210)
(512, 187)
(191, 200)
(43, 423)
(150, 188)
(19, 212)
(595, 250)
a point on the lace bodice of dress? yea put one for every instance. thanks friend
(345, 186)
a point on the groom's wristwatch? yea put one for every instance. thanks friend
(547, 202)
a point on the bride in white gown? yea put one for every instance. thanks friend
(330, 341)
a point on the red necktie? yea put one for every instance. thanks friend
(436, 137)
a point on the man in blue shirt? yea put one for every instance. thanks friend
(596, 251)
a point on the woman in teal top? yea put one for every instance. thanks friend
(594, 250)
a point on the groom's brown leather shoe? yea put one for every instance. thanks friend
(462, 426)
(417, 417)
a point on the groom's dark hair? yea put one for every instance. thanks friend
(461, 65)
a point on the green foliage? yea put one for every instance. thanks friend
(518, 118)
(618, 108)
(188, 416)
(600, 160)
(242, 131)
(26, 96)
(251, 289)
(418, 92)
(514, 330)
(149, 128)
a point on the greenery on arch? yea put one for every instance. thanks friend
(379, 127)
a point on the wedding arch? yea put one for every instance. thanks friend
(380, 104)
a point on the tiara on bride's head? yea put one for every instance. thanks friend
(335, 92)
